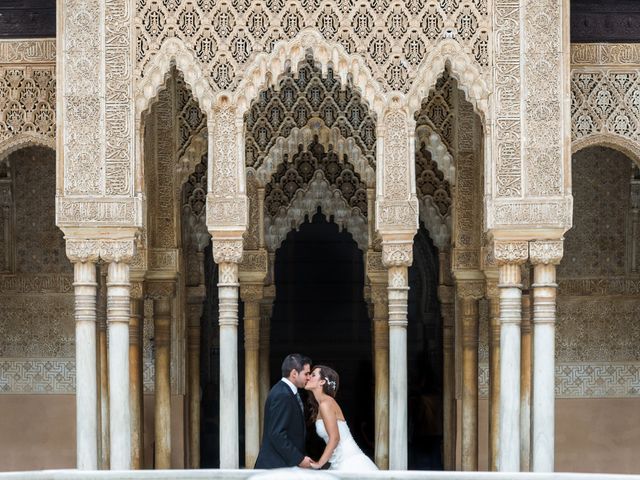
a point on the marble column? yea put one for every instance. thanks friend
(162, 294)
(397, 256)
(545, 255)
(379, 297)
(525, 383)
(251, 294)
(135, 376)
(266, 310)
(509, 255)
(469, 293)
(103, 369)
(494, 367)
(227, 253)
(446, 296)
(85, 287)
(195, 299)
(118, 317)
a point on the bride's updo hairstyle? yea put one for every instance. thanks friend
(331, 380)
(330, 387)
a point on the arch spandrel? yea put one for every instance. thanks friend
(172, 52)
(449, 55)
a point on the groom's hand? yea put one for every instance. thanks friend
(305, 463)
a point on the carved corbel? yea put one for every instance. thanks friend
(546, 252)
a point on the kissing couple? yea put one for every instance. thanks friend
(284, 432)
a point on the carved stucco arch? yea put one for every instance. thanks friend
(318, 193)
(24, 140)
(326, 136)
(266, 69)
(628, 147)
(172, 52)
(186, 164)
(438, 150)
(449, 53)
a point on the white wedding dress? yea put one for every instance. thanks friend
(347, 456)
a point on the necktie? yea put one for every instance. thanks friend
(299, 402)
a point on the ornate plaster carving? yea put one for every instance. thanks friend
(109, 250)
(394, 38)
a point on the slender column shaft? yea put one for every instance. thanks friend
(162, 341)
(525, 385)
(265, 334)
(118, 315)
(494, 380)
(228, 321)
(135, 383)
(398, 295)
(86, 371)
(103, 370)
(544, 318)
(193, 340)
(510, 317)
(381, 364)
(251, 390)
(449, 412)
(469, 384)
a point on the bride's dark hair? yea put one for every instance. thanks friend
(330, 387)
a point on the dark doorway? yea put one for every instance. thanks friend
(424, 351)
(320, 311)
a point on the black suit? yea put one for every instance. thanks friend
(284, 432)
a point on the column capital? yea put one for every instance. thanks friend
(546, 252)
(81, 251)
(510, 251)
(227, 250)
(251, 292)
(157, 289)
(473, 289)
(397, 253)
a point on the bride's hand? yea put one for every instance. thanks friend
(315, 465)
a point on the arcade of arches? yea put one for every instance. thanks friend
(385, 194)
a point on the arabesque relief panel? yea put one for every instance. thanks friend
(392, 37)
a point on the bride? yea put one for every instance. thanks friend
(341, 451)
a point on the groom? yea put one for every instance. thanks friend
(284, 429)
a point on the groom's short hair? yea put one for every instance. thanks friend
(294, 361)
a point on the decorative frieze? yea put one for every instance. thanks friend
(34, 51)
(601, 54)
